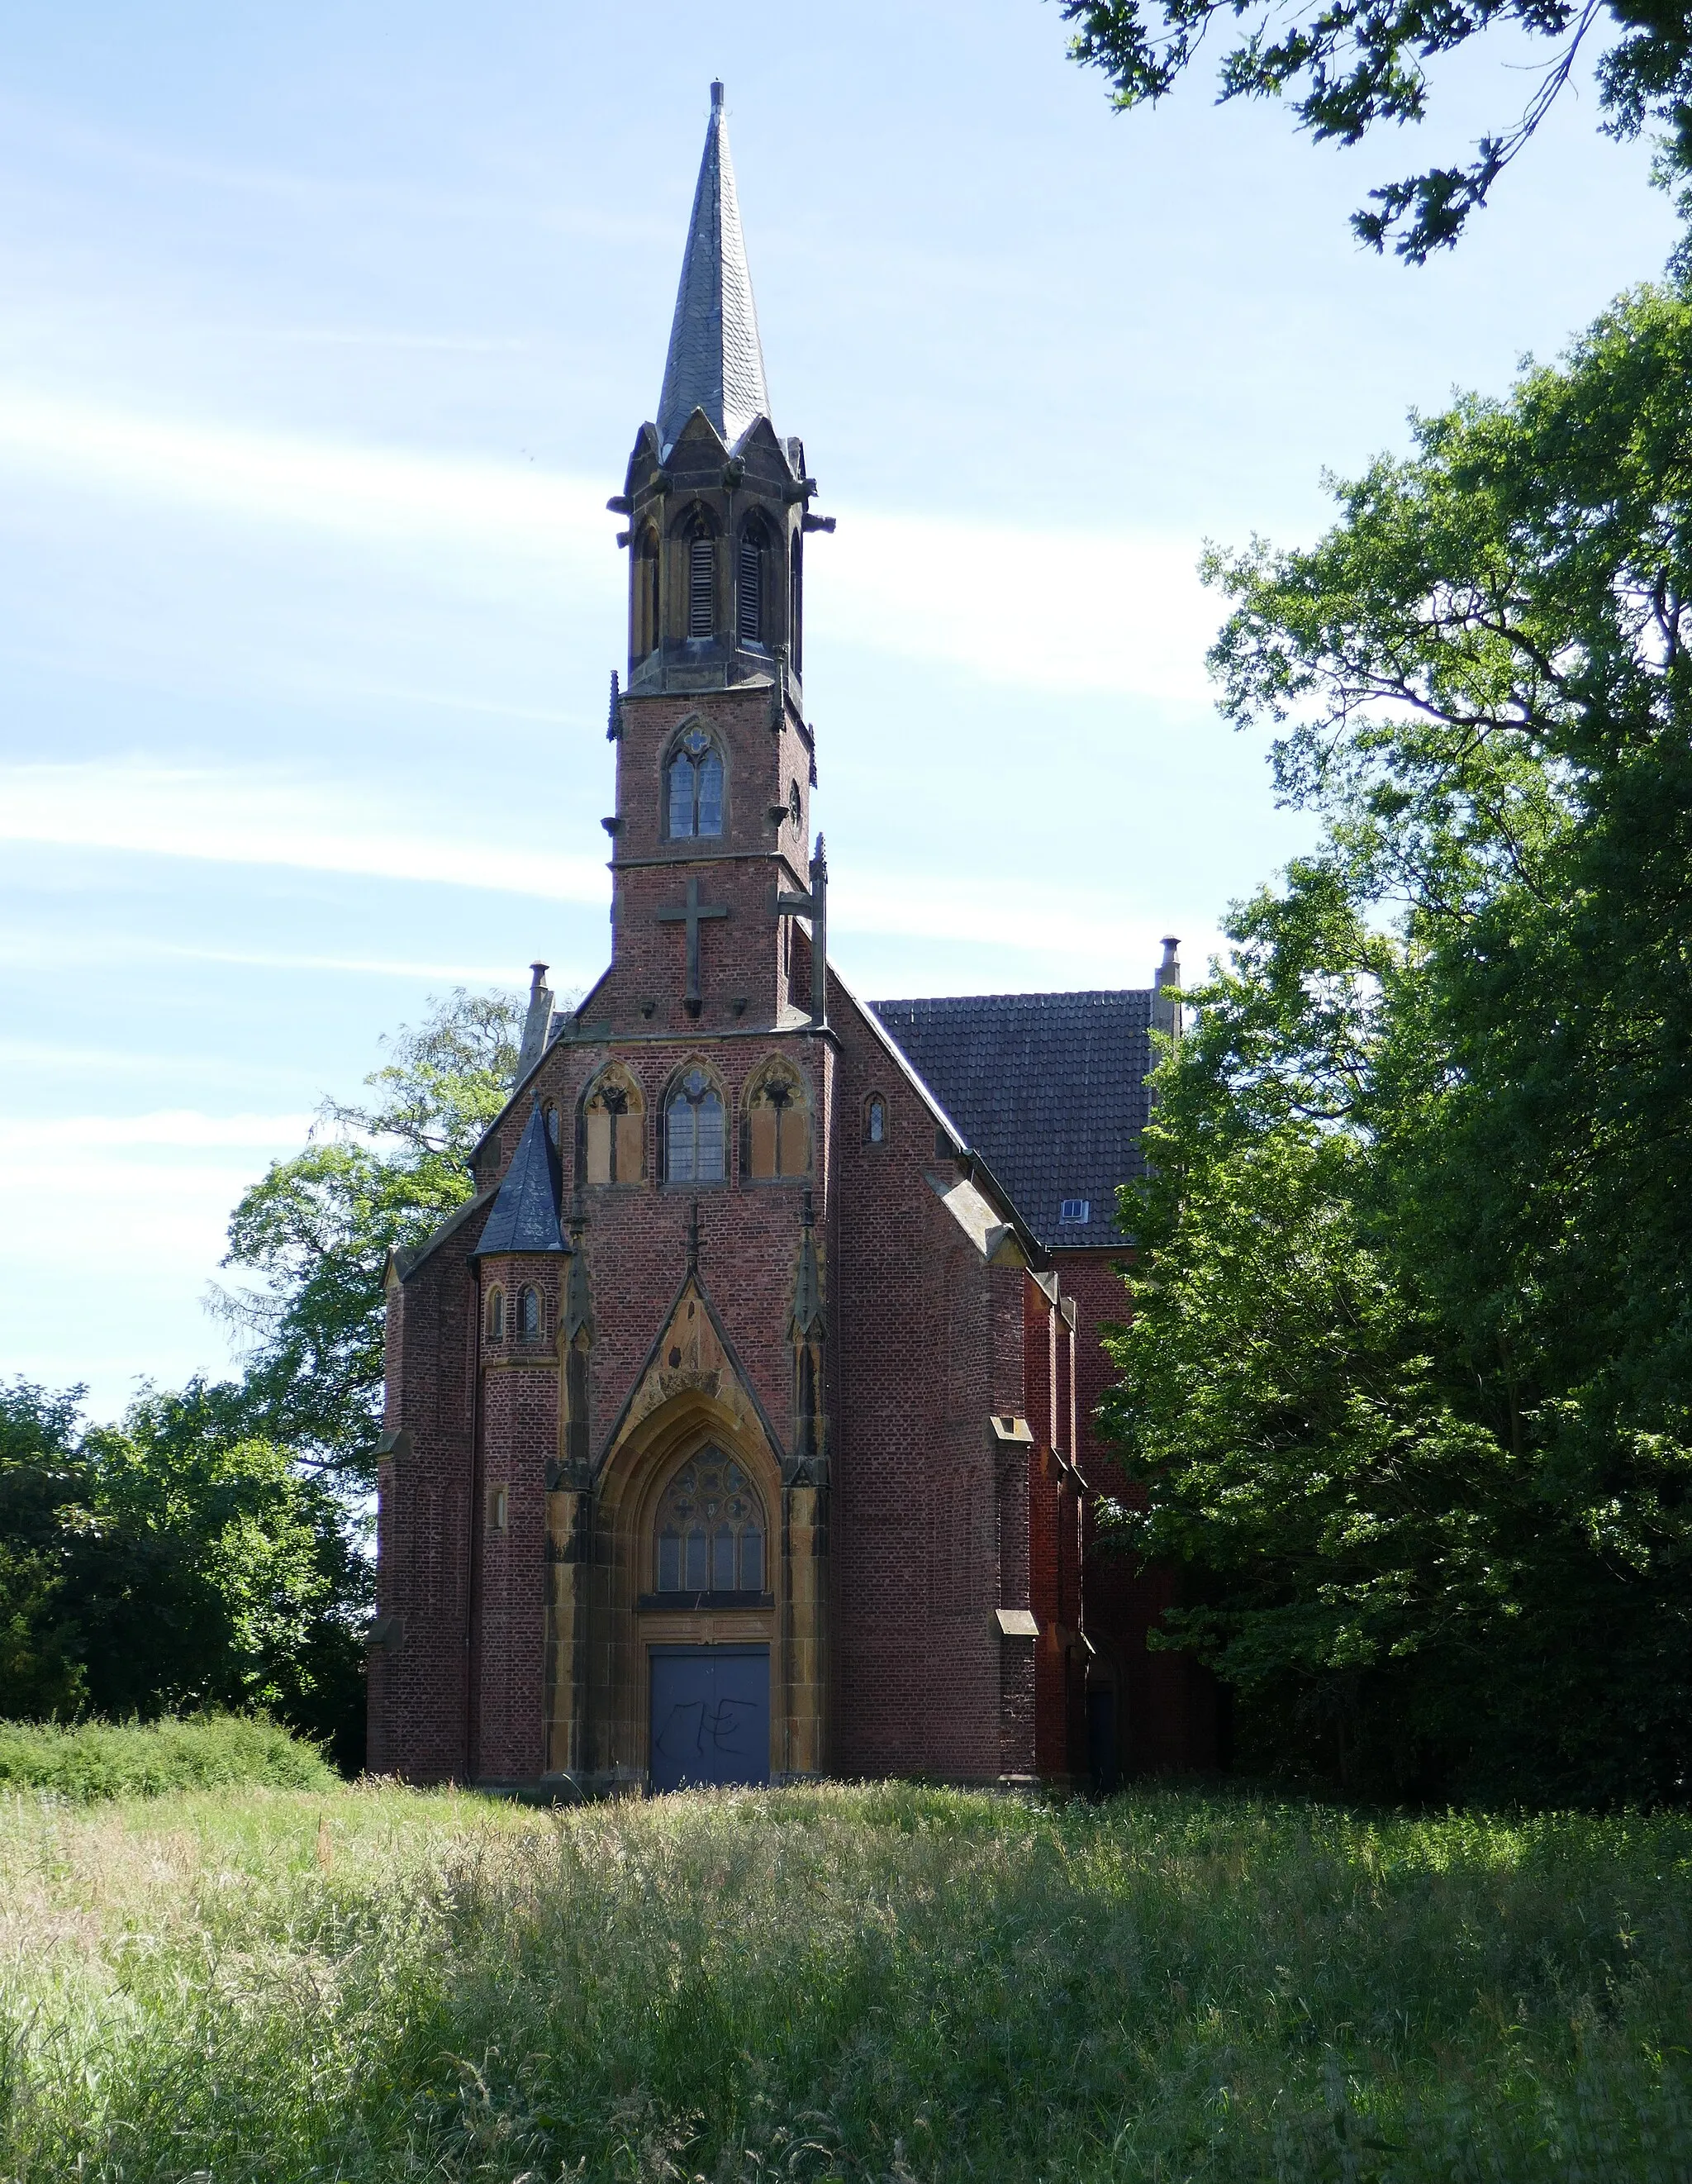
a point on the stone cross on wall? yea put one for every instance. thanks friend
(692, 915)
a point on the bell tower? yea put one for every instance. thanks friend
(715, 763)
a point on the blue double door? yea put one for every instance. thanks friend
(711, 1715)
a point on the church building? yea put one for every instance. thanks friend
(740, 1427)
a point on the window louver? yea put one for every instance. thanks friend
(751, 592)
(701, 582)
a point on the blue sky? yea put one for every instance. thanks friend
(326, 331)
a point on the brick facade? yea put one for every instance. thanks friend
(902, 1374)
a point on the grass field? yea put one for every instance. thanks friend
(842, 1983)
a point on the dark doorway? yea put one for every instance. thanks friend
(711, 1715)
(1101, 1738)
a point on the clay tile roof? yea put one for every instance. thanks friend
(1050, 1089)
(715, 361)
(526, 1213)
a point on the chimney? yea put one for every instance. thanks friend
(1165, 991)
(536, 1023)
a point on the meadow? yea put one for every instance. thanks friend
(874, 1982)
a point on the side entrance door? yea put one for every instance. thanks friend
(711, 1715)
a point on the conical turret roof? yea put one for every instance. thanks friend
(526, 1213)
(715, 361)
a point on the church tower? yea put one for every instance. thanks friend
(715, 761)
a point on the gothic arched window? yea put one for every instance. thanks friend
(754, 548)
(528, 1315)
(777, 1125)
(709, 1533)
(695, 786)
(876, 1120)
(614, 1129)
(701, 577)
(550, 1115)
(496, 1315)
(695, 1146)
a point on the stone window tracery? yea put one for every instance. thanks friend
(777, 1126)
(709, 1535)
(695, 1142)
(614, 1129)
(694, 784)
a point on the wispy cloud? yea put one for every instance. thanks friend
(1083, 609)
(248, 818)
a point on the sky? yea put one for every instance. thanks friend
(324, 334)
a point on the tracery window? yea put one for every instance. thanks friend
(695, 1144)
(695, 774)
(528, 1315)
(613, 1130)
(496, 1315)
(777, 1126)
(709, 1533)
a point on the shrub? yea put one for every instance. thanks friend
(119, 1759)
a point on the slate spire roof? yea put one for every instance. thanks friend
(716, 361)
(526, 1213)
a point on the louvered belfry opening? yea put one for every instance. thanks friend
(701, 586)
(751, 589)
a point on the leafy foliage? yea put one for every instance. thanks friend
(97, 1759)
(171, 1563)
(1409, 1387)
(1351, 65)
(317, 1228)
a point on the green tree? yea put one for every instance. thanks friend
(1349, 66)
(172, 1563)
(1408, 1390)
(317, 1228)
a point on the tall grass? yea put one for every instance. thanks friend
(127, 1759)
(876, 1983)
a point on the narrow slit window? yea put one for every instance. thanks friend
(876, 1123)
(528, 1315)
(701, 586)
(751, 589)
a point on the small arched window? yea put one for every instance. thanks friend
(750, 588)
(709, 1533)
(695, 786)
(876, 1121)
(777, 1126)
(701, 577)
(496, 1315)
(694, 1146)
(614, 1129)
(528, 1315)
(550, 1115)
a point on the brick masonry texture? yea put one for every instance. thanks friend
(935, 1602)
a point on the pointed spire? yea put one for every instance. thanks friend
(716, 361)
(526, 1213)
